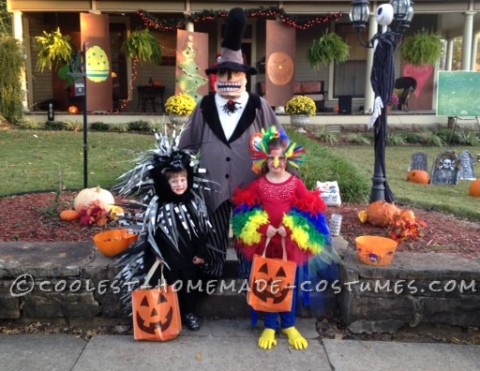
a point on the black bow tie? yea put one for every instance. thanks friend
(231, 106)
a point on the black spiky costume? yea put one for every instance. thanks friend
(173, 228)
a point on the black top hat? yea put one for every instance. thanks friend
(231, 53)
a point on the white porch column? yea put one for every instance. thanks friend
(467, 41)
(449, 59)
(369, 94)
(18, 34)
(473, 61)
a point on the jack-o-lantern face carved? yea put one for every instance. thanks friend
(148, 318)
(273, 287)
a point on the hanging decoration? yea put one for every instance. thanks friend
(189, 80)
(298, 22)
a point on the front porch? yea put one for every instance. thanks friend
(418, 120)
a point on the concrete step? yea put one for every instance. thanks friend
(226, 300)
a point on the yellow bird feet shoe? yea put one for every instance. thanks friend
(295, 338)
(267, 339)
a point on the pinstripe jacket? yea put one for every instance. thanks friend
(228, 162)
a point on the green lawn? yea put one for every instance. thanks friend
(454, 199)
(32, 161)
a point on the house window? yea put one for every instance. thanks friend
(349, 77)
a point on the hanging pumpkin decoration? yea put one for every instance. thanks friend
(474, 189)
(381, 213)
(69, 215)
(88, 195)
(73, 110)
(418, 176)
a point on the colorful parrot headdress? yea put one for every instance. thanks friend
(260, 148)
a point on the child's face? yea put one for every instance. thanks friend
(178, 183)
(276, 160)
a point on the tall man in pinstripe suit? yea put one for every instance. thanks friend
(221, 128)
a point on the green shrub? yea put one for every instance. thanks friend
(358, 139)
(414, 138)
(56, 125)
(354, 188)
(28, 122)
(99, 126)
(395, 139)
(327, 137)
(436, 139)
(468, 139)
(140, 126)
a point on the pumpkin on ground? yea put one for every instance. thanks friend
(69, 215)
(418, 176)
(381, 213)
(88, 195)
(474, 189)
(73, 110)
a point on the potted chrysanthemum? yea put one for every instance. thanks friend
(300, 108)
(179, 107)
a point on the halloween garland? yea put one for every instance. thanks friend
(298, 22)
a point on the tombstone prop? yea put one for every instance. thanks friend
(419, 161)
(445, 169)
(466, 166)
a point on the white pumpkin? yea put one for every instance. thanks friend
(88, 195)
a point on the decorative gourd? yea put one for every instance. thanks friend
(116, 212)
(474, 189)
(88, 195)
(408, 216)
(418, 176)
(363, 216)
(73, 110)
(381, 213)
(69, 215)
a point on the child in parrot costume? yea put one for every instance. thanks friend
(278, 206)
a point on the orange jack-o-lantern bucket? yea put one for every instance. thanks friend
(271, 283)
(156, 314)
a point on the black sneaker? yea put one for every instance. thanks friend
(192, 322)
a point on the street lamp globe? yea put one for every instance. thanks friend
(360, 13)
(403, 12)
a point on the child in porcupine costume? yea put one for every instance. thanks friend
(175, 223)
(278, 206)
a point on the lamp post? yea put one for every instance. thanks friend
(382, 77)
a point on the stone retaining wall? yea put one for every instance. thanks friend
(433, 288)
(73, 282)
(56, 280)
